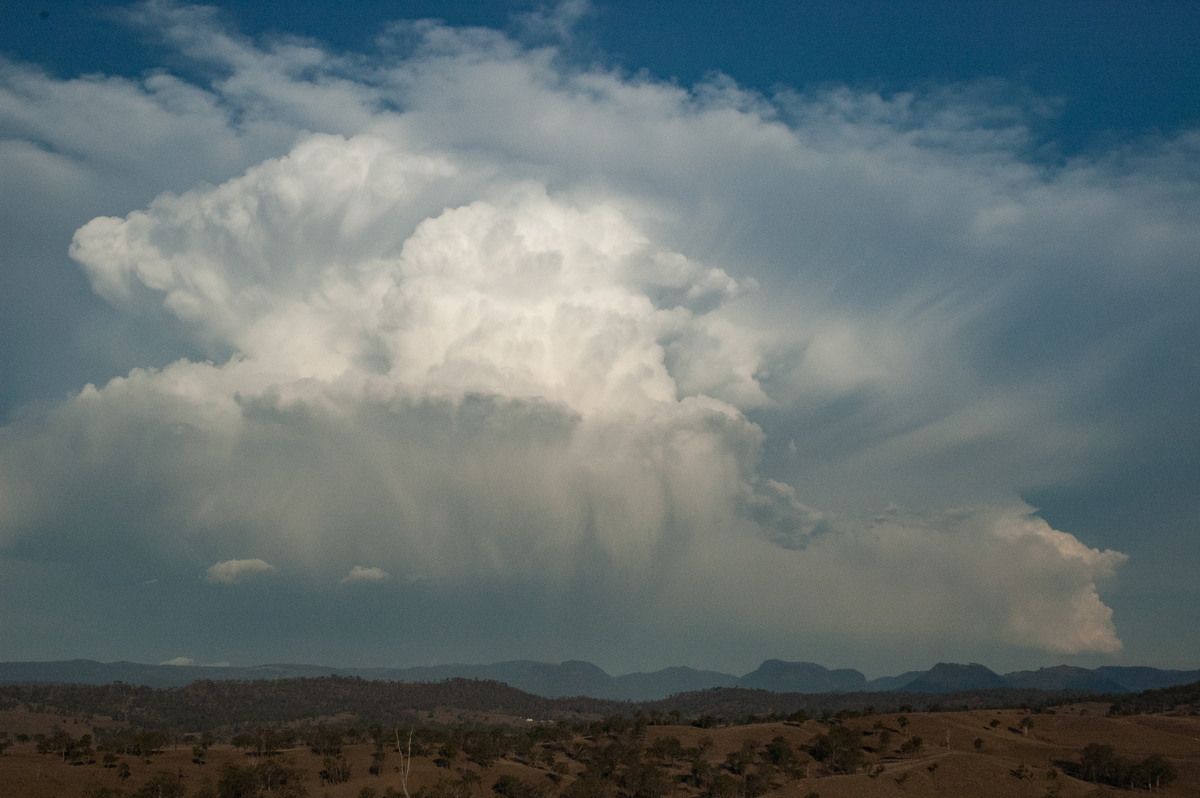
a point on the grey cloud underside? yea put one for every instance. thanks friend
(487, 327)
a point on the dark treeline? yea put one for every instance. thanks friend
(733, 704)
(234, 705)
(210, 705)
(1100, 763)
(1161, 700)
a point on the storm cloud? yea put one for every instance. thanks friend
(668, 372)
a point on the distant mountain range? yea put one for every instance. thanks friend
(575, 678)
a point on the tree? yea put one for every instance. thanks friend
(758, 782)
(666, 749)
(738, 761)
(469, 779)
(274, 774)
(405, 761)
(326, 741)
(163, 784)
(236, 782)
(513, 787)
(149, 741)
(81, 751)
(267, 742)
(723, 786)
(277, 778)
(1099, 763)
(701, 772)
(779, 753)
(60, 743)
(652, 782)
(840, 747)
(1153, 772)
(336, 770)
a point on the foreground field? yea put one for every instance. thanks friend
(981, 753)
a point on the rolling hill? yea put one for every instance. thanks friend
(577, 678)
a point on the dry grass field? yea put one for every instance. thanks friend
(975, 754)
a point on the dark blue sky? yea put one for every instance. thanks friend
(1110, 68)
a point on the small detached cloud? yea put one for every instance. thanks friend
(362, 574)
(179, 661)
(231, 572)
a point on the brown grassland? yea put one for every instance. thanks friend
(980, 753)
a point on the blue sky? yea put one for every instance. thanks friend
(643, 333)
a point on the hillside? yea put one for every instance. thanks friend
(473, 749)
(234, 706)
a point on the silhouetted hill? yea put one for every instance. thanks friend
(84, 671)
(885, 683)
(778, 676)
(1136, 679)
(572, 678)
(1064, 677)
(951, 677)
(667, 682)
(577, 678)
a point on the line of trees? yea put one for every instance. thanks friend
(246, 704)
(1101, 764)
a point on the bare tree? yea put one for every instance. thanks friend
(405, 761)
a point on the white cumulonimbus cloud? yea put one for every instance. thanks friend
(494, 394)
(610, 341)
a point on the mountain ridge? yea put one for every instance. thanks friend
(579, 678)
